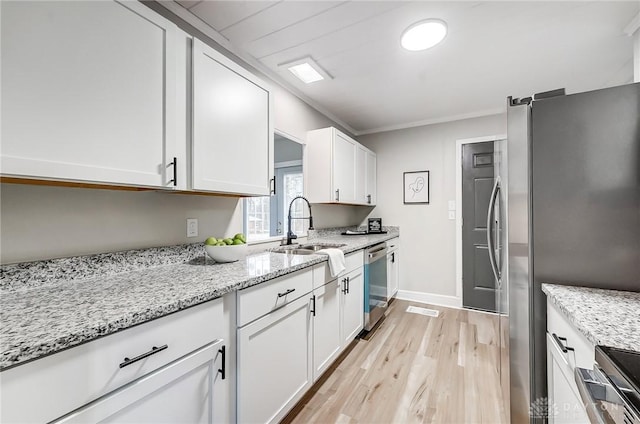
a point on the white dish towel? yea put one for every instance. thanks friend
(336, 260)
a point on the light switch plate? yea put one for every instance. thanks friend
(192, 227)
(452, 205)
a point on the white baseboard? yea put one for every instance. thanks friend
(430, 298)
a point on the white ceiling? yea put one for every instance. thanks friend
(492, 50)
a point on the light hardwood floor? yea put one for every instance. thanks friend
(415, 369)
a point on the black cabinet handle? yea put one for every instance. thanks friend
(368, 198)
(348, 281)
(337, 195)
(273, 190)
(313, 300)
(393, 257)
(344, 285)
(286, 293)
(559, 340)
(223, 370)
(174, 163)
(153, 351)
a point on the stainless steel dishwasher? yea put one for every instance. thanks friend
(375, 284)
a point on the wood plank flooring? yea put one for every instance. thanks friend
(415, 369)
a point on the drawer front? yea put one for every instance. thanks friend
(322, 274)
(583, 355)
(48, 388)
(393, 244)
(261, 299)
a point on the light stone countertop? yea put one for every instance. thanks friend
(52, 305)
(604, 317)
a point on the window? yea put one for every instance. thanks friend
(266, 217)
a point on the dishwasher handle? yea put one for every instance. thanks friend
(374, 255)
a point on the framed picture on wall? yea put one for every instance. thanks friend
(416, 188)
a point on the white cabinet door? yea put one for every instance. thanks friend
(565, 405)
(182, 391)
(88, 92)
(361, 175)
(371, 184)
(232, 148)
(352, 305)
(393, 273)
(344, 159)
(273, 363)
(326, 327)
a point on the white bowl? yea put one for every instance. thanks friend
(231, 253)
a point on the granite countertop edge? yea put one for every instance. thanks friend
(33, 348)
(596, 330)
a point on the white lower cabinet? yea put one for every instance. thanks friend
(178, 368)
(566, 350)
(327, 342)
(352, 307)
(393, 267)
(564, 398)
(181, 391)
(273, 362)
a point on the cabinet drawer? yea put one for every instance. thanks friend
(393, 244)
(583, 355)
(48, 388)
(259, 300)
(322, 274)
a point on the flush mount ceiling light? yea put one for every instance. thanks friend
(424, 34)
(306, 69)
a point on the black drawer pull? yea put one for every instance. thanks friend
(286, 293)
(559, 340)
(313, 299)
(223, 369)
(153, 351)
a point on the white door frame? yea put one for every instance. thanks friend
(459, 144)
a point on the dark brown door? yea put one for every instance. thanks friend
(478, 283)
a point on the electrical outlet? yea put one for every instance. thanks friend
(452, 205)
(452, 214)
(192, 227)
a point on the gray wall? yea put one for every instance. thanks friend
(428, 236)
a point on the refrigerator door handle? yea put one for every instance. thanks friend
(490, 245)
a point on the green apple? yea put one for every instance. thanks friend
(221, 243)
(240, 237)
(228, 241)
(237, 241)
(211, 241)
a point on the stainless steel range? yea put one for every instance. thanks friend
(611, 391)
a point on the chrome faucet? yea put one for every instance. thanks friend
(290, 234)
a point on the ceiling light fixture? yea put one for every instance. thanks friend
(424, 34)
(306, 69)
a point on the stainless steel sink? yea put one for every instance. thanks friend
(316, 247)
(307, 249)
(297, 251)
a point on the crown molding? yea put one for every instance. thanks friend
(440, 120)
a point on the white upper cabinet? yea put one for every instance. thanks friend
(232, 149)
(338, 169)
(370, 181)
(88, 93)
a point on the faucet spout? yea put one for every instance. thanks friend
(290, 233)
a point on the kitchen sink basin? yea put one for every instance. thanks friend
(316, 247)
(295, 251)
(307, 249)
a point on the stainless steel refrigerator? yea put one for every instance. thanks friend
(565, 209)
